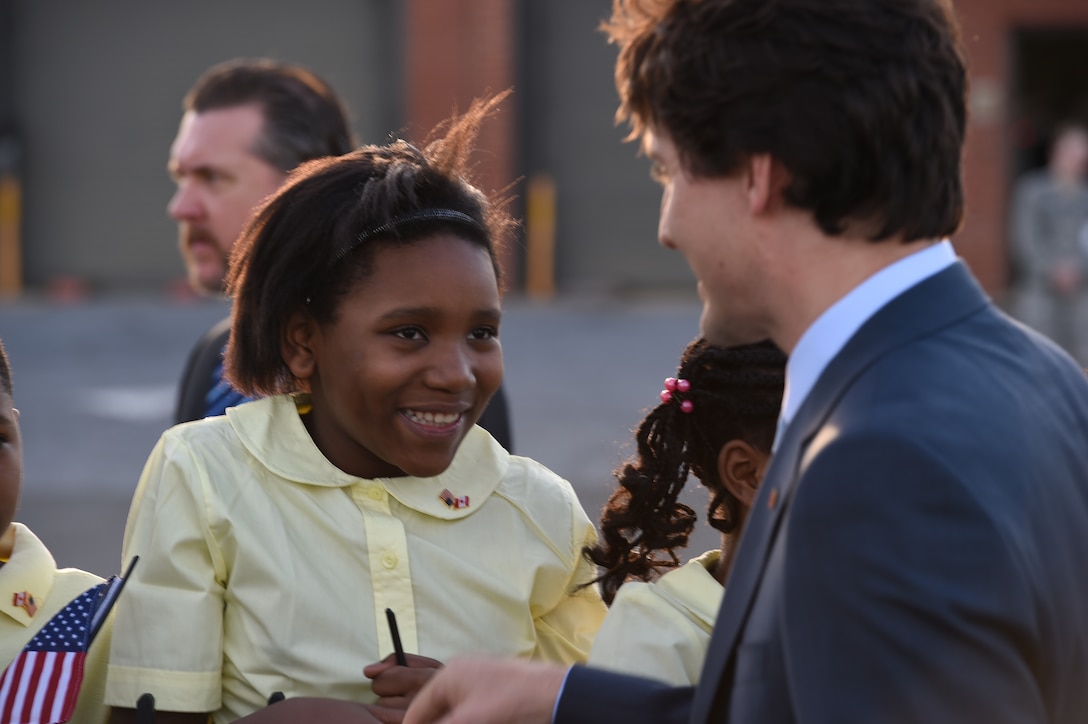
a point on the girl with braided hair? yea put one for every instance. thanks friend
(717, 420)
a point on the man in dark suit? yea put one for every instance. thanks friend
(918, 548)
(247, 124)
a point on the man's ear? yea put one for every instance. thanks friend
(740, 468)
(297, 345)
(767, 181)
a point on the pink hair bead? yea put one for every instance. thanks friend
(686, 406)
(683, 385)
(666, 396)
(670, 384)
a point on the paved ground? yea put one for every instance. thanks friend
(95, 382)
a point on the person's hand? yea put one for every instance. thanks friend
(320, 711)
(489, 691)
(396, 686)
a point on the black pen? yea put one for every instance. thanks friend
(398, 649)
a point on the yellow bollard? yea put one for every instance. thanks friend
(11, 262)
(540, 237)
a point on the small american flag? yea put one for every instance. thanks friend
(41, 685)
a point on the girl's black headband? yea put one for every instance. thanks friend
(399, 223)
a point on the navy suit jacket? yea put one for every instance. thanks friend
(918, 551)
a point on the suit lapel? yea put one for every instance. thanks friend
(930, 305)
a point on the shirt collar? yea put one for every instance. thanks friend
(272, 431)
(826, 337)
(27, 577)
(693, 587)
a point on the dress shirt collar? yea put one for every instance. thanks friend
(826, 337)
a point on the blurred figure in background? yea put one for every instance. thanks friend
(1049, 209)
(247, 125)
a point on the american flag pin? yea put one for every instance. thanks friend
(25, 601)
(453, 501)
(772, 499)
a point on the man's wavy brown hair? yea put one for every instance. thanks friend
(861, 101)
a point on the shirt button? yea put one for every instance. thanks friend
(376, 493)
(389, 560)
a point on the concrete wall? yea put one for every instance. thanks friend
(606, 204)
(98, 87)
(558, 125)
(98, 92)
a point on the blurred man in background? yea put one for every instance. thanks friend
(246, 125)
(1049, 210)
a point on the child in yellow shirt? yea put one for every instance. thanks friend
(273, 539)
(717, 420)
(32, 588)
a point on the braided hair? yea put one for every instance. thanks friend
(732, 393)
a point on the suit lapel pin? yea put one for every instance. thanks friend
(772, 499)
(453, 501)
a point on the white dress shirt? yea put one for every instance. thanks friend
(826, 337)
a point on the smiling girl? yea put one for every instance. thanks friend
(367, 313)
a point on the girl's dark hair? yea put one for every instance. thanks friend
(316, 238)
(736, 393)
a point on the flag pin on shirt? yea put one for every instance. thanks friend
(25, 601)
(772, 499)
(453, 501)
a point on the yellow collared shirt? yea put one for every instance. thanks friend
(661, 630)
(32, 572)
(265, 568)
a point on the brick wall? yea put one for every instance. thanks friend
(987, 32)
(458, 50)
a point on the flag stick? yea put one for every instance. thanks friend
(114, 590)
